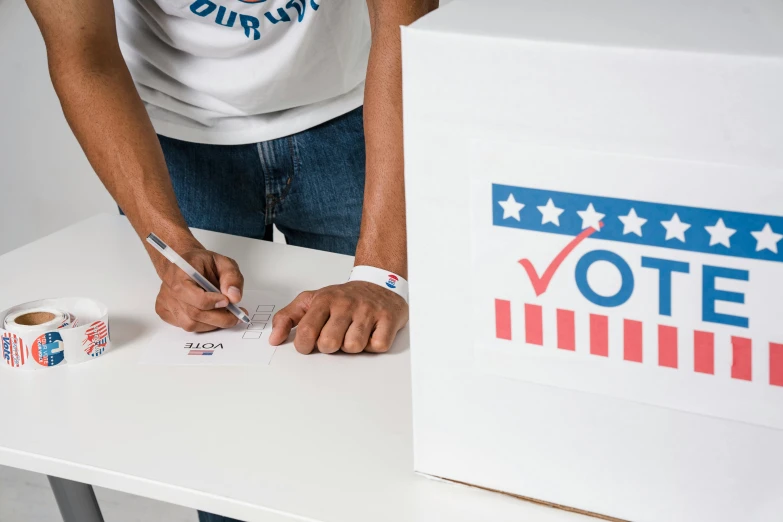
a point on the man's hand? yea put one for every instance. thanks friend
(354, 317)
(183, 303)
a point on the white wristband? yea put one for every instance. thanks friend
(384, 278)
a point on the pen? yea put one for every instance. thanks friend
(200, 280)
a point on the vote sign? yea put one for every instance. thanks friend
(637, 297)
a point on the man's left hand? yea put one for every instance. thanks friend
(353, 317)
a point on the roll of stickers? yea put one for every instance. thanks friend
(52, 332)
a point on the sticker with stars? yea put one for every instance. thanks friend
(695, 229)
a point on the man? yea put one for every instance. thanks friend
(257, 107)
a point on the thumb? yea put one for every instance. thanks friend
(230, 278)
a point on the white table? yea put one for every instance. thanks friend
(310, 438)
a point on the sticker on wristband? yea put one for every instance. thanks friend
(384, 278)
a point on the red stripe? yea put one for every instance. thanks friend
(632, 340)
(704, 352)
(599, 335)
(667, 346)
(566, 339)
(534, 327)
(742, 357)
(502, 319)
(776, 364)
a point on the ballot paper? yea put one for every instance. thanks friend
(244, 344)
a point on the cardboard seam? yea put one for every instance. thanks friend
(529, 499)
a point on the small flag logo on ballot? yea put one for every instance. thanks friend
(202, 348)
(674, 305)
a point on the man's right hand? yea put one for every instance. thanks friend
(181, 302)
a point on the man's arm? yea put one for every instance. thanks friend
(383, 238)
(109, 120)
(359, 316)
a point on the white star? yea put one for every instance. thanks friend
(720, 233)
(590, 218)
(511, 208)
(550, 213)
(675, 229)
(632, 223)
(767, 239)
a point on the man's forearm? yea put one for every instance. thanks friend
(382, 241)
(108, 118)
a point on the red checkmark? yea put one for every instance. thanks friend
(540, 284)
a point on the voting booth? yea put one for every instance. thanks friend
(595, 214)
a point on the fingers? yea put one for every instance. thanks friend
(182, 302)
(169, 310)
(309, 328)
(231, 280)
(288, 317)
(220, 269)
(220, 318)
(352, 317)
(332, 335)
(340, 313)
(187, 291)
(358, 335)
(188, 317)
(183, 288)
(382, 337)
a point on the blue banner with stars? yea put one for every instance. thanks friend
(694, 229)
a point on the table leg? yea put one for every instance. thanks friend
(76, 501)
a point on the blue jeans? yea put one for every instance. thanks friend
(310, 185)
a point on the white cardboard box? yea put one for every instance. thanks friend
(643, 380)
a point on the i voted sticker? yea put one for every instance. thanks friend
(96, 338)
(48, 349)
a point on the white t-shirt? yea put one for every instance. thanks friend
(243, 71)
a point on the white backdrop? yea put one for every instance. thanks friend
(45, 180)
